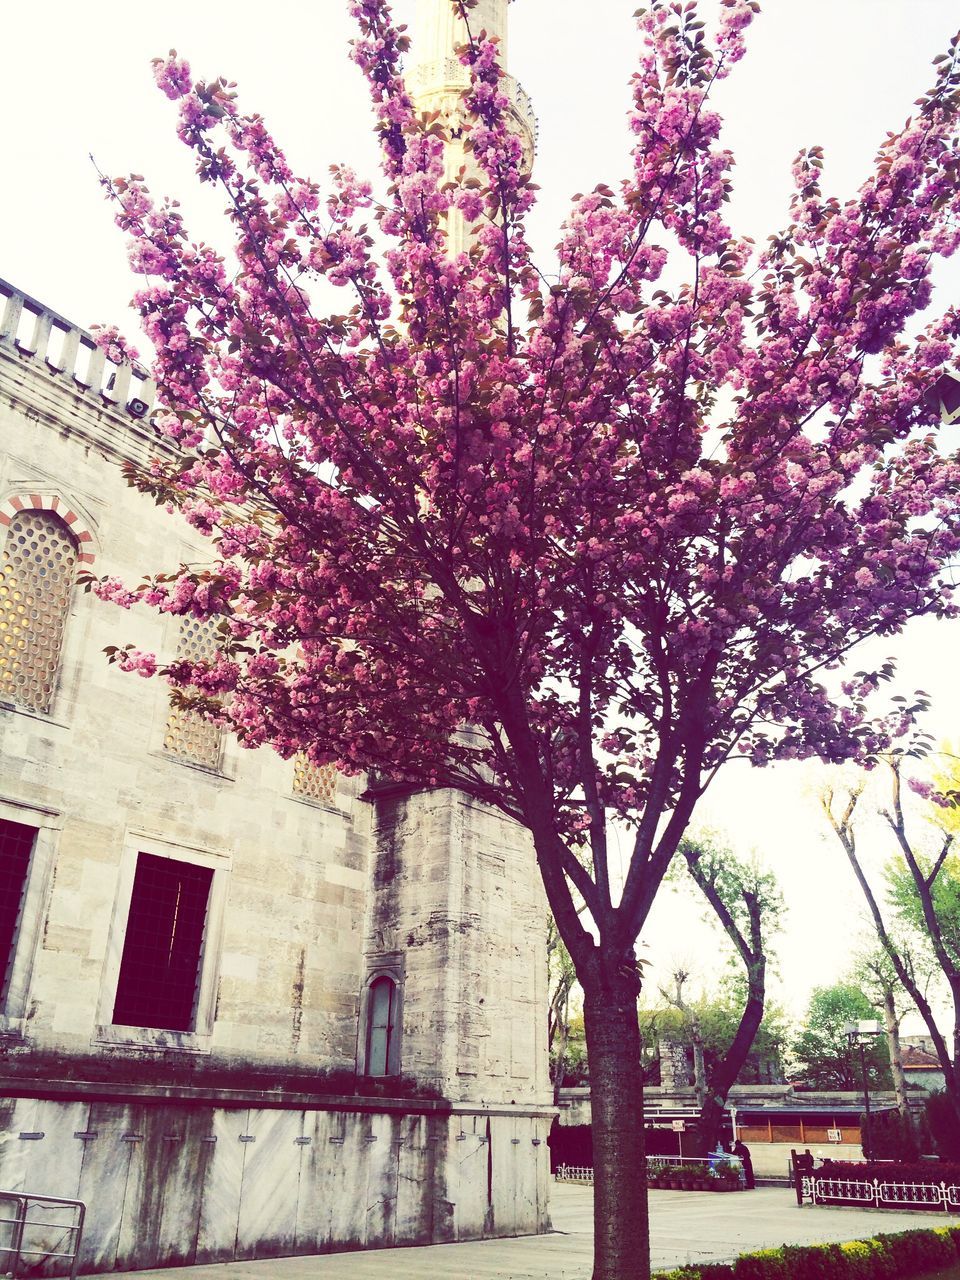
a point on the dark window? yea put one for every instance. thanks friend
(382, 1042)
(16, 845)
(160, 966)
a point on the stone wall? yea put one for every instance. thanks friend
(94, 777)
(177, 1182)
(456, 894)
(772, 1159)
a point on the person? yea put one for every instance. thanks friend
(743, 1151)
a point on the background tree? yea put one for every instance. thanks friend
(616, 526)
(945, 788)
(891, 1135)
(821, 1053)
(578, 1063)
(873, 970)
(922, 894)
(943, 1125)
(562, 980)
(692, 1030)
(718, 1013)
(747, 903)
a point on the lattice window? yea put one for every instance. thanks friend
(16, 846)
(163, 947)
(36, 578)
(315, 781)
(189, 735)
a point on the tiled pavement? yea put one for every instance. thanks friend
(686, 1226)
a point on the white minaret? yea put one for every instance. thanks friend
(437, 80)
(439, 29)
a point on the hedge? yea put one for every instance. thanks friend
(905, 1255)
(924, 1171)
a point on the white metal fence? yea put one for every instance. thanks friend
(584, 1173)
(880, 1194)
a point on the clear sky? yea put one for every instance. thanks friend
(76, 81)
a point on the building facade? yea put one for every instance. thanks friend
(247, 1006)
(234, 987)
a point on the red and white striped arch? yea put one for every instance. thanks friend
(60, 507)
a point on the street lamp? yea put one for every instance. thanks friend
(858, 1033)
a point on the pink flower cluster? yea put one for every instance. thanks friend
(172, 75)
(618, 526)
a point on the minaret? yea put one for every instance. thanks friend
(437, 80)
(439, 28)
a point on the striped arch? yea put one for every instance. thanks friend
(60, 507)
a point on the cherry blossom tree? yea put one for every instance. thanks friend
(566, 542)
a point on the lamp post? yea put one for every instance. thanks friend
(944, 396)
(857, 1034)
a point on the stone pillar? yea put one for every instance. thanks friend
(674, 1069)
(457, 906)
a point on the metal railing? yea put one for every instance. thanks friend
(584, 1173)
(662, 1162)
(879, 1193)
(64, 1243)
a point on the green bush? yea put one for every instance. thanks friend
(892, 1137)
(811, 1262)
(903, 1255)
(943, 1126)
(767, 1264)
(918, 1251)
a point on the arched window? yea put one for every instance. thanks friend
(36, 579)
(383, 1042)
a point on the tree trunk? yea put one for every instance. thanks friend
(560, 1062)
(725, 1073)
(622, 1239)
(892, 1025)
(699, 1066)
(950, 1066)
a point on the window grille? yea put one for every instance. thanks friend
(189, 735)
(382, 1040)
(315, 781)
(160, 966)
(16, 846)
(36, 578)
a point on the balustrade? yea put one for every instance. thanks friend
(44, 338)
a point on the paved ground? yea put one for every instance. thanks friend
(686, 1226)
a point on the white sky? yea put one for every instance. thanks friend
(835, 72)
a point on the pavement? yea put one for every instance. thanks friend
(685, 1226)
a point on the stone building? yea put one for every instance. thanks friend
(247, 1007)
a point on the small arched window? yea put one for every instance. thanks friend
(383, 1041)
(36, 580)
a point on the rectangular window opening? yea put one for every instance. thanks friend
(163, 949)
(16, 846)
